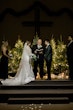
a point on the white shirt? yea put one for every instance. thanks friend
(47, 45)
(70, 42)
(39, 46)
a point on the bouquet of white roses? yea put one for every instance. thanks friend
(33, 57)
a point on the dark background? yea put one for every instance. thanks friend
(11, 25)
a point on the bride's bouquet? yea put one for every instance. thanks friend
(33, 57)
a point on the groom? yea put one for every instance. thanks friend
(48, 57)
(39, 52)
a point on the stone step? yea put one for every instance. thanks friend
(42, 90)
(42, 84)
(37, 91)
(38, 100)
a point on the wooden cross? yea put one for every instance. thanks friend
(37, 23)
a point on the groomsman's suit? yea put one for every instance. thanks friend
(48, 58)
(40, 59)
(70, 58)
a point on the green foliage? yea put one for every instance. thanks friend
(59, 58)
(16, 53)
(35, 39)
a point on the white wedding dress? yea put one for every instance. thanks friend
(25, 73)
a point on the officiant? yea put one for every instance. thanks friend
(38, 50)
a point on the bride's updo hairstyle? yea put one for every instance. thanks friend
(28, 43)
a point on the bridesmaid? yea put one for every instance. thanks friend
(4, 61)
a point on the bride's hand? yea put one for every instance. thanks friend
(35, 52)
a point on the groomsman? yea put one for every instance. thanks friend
(48, 57)
(70, 56)
(39, 52)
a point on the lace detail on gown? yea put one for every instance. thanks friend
(25, 73)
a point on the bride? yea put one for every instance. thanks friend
(25, 72)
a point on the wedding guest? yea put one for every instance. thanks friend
(38, 50)
(4, 60)
(70, 56)
(48, 57)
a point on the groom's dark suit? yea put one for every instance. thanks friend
(40, 59)
(48, 58)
